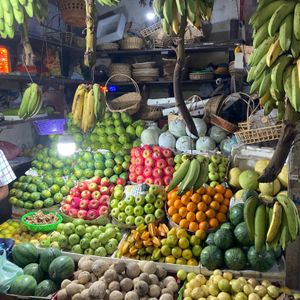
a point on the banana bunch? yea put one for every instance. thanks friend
(274, 64)
(14, 11)
(191, 174)
(274, 226)
(31, 102)
(88, 106)
(171, 12)
(108, 2)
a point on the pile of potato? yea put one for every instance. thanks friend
(97, 279)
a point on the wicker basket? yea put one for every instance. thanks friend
(120, 69)
(201, 76)
(192, 36)
(129, 102)
(149, 113)
(73, 12)
(132, 42)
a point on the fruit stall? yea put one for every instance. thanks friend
(148, 150)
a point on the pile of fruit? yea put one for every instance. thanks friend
(223, 286)
(101, 279)
(35, 192)
(145, 208)
(43, 273)
(81, 238)
(32, 152)
(151, 165)
(175, 246)
(203, 209)
(88, 199)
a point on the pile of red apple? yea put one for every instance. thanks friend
(151, 165)
(88, 199)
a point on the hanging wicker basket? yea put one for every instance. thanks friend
(129, 102)
(73, 12)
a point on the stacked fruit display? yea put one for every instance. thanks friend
(151, 165)
(145, 208)
(43, 272)
(232, 247)
(81, 238)
(223, 286)
(88, 199)
(158, 243)
(203, 209)
(35, 192)
(275, 61)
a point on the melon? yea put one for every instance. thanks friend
(249, 180)
(260, 165)
(234, 175)
(270, 188)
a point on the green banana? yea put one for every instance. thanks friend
(269, 106)
(286, 33)
(96, 90)
(251, 74)
(280, 110)
(275, 222)
(261, 35)
(29, 9)
(262, 50)
(165, 26)
(203, 174)
(296, 21)
(260, 227)
(191, 10)
(295, 101)
(263, 3)
(249, 214)
(280, 14)
(9, 30)
(256, 84)
(284, 235)
(287, 81)
(181, 7)
(179, 175)
(265, 83)
(158, 6)
(276, 95)
(168, 11)
(19, 15)
(295, 47)
(190, 177)
(33, 100)
(261, 66)
(22, 112)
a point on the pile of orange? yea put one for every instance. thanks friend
(204, 209)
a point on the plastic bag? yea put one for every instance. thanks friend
(8, 272)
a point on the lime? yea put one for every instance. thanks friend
(99, 165)
(13, 200)
(48, 202)
(35, 196)
(98, 156)
(65, 190)
(46, 194)
(99, 173)
(59, 181)
(48, 180)
(109, 163)
(28, 205)
(88, 173)
(42, 186)
(38, 204)
(58, 197)
(109, 155)
(20, 203)
(58, 173)
(26, 196)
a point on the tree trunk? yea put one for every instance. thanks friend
(90, 55)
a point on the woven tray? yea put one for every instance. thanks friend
(132, 42)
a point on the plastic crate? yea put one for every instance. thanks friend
(51, 126)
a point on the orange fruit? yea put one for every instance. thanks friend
(191, 216)
(183, 211)
(203, 226)
(191, 206)
(178, 204)
(172, 211)
(172, 195)
(196, 198)
(206, 199)
(210, 191)
(189, 194)
(219, 197)
(213, 223)
(226, 201)
(210, 213)
(200, 216)
(201, 206)
(228, 193)
(200, 234)
(184, 223)
(185, 199)
(170, 203)
(220, 189)
(221, 217)
(193, 226)
(215, 205)
(176, 218)
(223, 209)
(201, 190)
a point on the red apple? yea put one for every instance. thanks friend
(149, 180)
(147, 172)
(158, 181)
(86, 195)
(82, 214)
(146, 153)
(93, 204)
(132, 160)
(157, 173)
(75, 202)
(161, 163)
(137, 152)
(139, 161)
(156, 148)
(140, 179)
(166, 152)
(96, 179)
(121, 181)
(92, 214)
(75, 192)
(167, 180)
(104, 181)
(156, 155)
(132, 151)
(169, 170)
(92, 186)
(139, 170)
(103, 199)
(149, 162)
(66, 208)
(147, 147)
(73, 212)
(68, 199)
(82, 186)
(170, 161)
(83, 204)
(104, 190)
(132, 177)
(103, 210)
(96, 195)
(111, 189)
(132, 168)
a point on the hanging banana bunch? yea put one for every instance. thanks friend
(275, 64)
(171, 12)
(108, 2)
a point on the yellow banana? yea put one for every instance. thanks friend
(273, 53)
(78, 106)
(275, 222)
(264, 99)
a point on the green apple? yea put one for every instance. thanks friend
(149, 218)
(115, 212)
(96, 233)
(63, 241)
(80, 230)
(139, 220)
(150, 198)
(159, 213)
(122, 217)
(130, 220)
(154, 189)
(212, 167)
(129, 210)
(118, 194)
(77, 222)
(84, 243)
(100, 251)
(149, 208)
(88, 251)
(74, 239)
(122, 205)
(88, 236)
(159, 203)
(140, 200)
(138, 210)
(214, 184)
(213, 176)
(216, 158)
(114, 203)
(130, 200)
(77, 249)
(94, 243)
(69, 228)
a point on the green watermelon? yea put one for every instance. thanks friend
(248, 193)
(23, 285)
(47, 256)
(235, 259)
(211, 257)
(210, 239)
(61, 268)
(261, 261)
(242, 235)
(223, 238)
(35, 271)
(236, 214)
(45, 288)
(24, 254)
(227, 225)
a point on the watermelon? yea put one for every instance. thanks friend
(211, 257)
(24, 254)
(61, 268)
(223, 238)
(45, 288)
(236, 214)
(261, 260)
(47, 256)
(23, 285)
(241, 234)
(248, 193)
(235, 259)
(35, 271)
(227, 225)
(210, 239)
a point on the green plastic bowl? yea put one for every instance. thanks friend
(42, 227)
